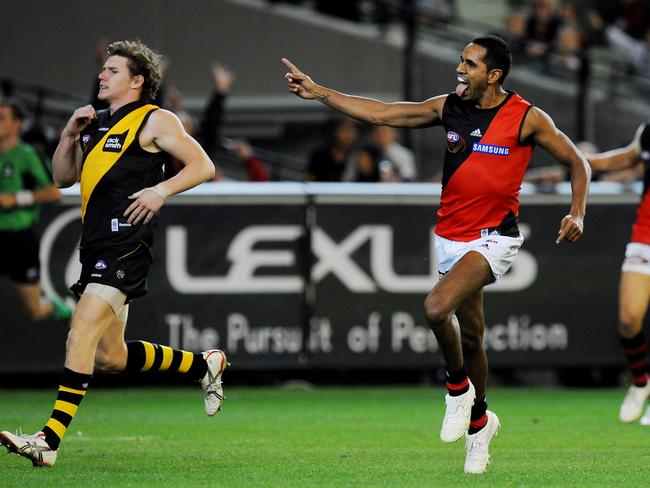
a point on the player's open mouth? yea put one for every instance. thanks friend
(462, 86)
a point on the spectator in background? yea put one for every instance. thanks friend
(565, 60)
(328, 161)
(24, 186)
(255, 168)
(400, 157)
(635, 51)
(515, 34)
(212, 120)
(542, 28)
(209, 127)
(433, 11)
(370, 166)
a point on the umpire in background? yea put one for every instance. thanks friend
(24, 186)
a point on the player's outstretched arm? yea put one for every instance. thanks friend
(164, 131)
(541, 128)
(66, 162)
(621, 158)
(399, 114)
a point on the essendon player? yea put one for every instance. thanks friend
(634, 290)
(491, 133)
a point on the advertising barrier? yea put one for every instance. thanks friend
(334, 276)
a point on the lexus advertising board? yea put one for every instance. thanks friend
(337, 283)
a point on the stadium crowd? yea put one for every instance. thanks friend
(552, 36)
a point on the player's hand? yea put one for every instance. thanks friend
(570, 229)
(147, 203)
(80, 119)
(299, 83)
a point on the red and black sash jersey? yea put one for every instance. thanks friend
(114, 167)
(483, 168)
(641, 227)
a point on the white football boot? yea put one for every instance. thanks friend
(477, 445)
(211, 382)
(645, 420)
(456, 420)
(33, 447)
(634, 402)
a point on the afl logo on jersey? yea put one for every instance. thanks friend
(100, 265)
(455, 143)
(115, 142)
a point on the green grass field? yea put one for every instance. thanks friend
(326, 437)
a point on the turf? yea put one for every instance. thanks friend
(338, 437)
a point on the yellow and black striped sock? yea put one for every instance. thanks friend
(71, 391)
(145, 356)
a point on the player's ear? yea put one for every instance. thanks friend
(137, 81)
(494, 75)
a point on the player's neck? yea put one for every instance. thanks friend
(7, 143)
(115, 105)
(492, 97)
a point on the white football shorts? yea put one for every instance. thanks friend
(498, 250)
(637, 258)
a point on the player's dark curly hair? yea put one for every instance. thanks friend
(497, 54)
(141, 61)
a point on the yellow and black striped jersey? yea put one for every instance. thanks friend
(114, 167)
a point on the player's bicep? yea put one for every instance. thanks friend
(167, 133)
(541, 129)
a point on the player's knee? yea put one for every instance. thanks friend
(79, 339)
(630, 321)
(73, 342)
(436, 311)
(627, 328)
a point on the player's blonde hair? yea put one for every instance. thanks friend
(141, 61)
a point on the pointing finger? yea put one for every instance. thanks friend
(291, 66)
(564, 230)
